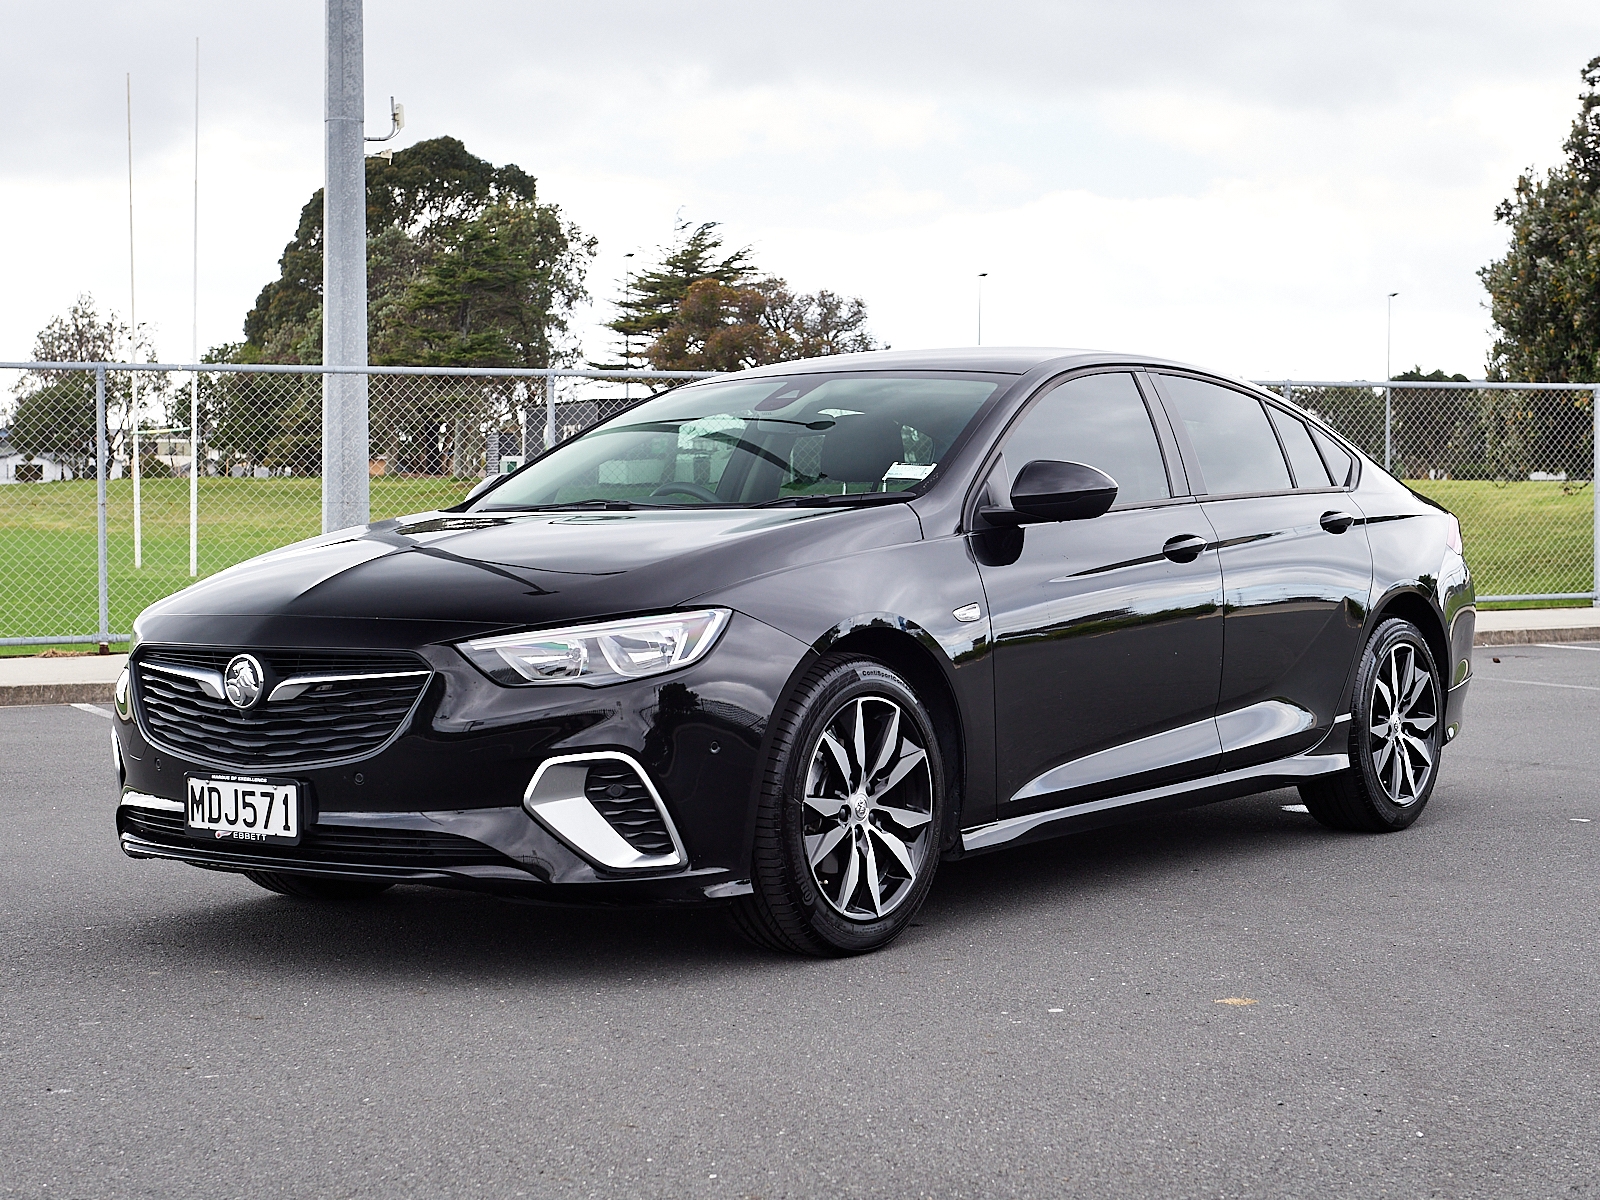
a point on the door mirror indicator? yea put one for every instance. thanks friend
(1046, 490)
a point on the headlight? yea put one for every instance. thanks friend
(598, 654)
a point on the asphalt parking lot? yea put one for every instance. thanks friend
(1422, 1016)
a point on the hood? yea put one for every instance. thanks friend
(438, 576)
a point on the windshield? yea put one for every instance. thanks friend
(757, 441)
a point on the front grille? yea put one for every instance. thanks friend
(331, 722)
(329, 845)
(620, 796)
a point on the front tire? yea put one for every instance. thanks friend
(1396, 736)
(851, 809)
(313, 887)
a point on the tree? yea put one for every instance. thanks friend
(651, 299)
(1545, 293)
(465, 267)
(722, 328)
(54, 411)
(700, 309)
(422, 209)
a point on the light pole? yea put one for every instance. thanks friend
(982, 275)
(1388, 391)
(345, 498)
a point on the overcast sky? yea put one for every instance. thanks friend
(1237, 183)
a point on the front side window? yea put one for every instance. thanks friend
(1099, 420)
(1231, 436)
(754, 441)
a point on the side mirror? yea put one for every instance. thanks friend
(1046, 490)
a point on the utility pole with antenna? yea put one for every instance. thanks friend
(194, 341)
(346, 498)
(982, 275)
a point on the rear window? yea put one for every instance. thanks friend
(1231, 437)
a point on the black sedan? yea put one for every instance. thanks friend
(784, 640)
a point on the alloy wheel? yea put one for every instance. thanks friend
(1400, 729)
(868, 809)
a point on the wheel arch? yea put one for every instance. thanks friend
(911, 652)
(1414, 605)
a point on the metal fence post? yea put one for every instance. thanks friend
(1388, 429)
(549, 411)
(100, 504)
(1594, 492)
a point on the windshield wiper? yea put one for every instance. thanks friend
(836, 500)
(572, 506)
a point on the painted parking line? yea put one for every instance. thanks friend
(1575, 687)
(95, 709)
(1559, 646)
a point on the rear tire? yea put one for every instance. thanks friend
(1396, 736)
(313, 887)
(851, 808)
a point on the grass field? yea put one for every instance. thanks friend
(1520, 537)
(47, 540)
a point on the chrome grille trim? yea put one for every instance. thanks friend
(291, 689)
(178, 713)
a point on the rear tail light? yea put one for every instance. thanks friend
(1452, 534)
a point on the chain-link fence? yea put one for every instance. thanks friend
(1515, 462)
(119, 486)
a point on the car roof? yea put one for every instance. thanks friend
(998, 360)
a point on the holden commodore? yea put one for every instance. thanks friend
(786, 639)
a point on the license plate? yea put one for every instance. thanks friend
(244, 808)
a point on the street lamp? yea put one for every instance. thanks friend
(1388, 391)
(982, 275)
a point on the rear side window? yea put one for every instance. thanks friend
(1303, 457)
(1232, 438)
(1340, 464)
(1100, 420)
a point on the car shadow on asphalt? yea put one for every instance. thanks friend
(415, 933)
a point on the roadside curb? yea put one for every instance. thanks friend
(55, 693)
(1529, 637)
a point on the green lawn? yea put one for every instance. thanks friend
(1520, 537)
(47, 540)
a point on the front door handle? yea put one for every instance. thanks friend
(1184, 548)
(1337, 522)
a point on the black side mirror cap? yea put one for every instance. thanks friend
(1046, 490)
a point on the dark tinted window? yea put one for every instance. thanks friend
(1303, 457)
(1339, 461)
(1100, 420)
(1230, 435)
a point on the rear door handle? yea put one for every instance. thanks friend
(1184, 548)
(1337, 522)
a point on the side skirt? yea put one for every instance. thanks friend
(1223, 786)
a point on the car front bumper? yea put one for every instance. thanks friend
(444, 802)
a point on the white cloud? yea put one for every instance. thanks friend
(1237, 183)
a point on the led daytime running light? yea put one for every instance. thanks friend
(593, 655)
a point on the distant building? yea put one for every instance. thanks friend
(16, 467)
